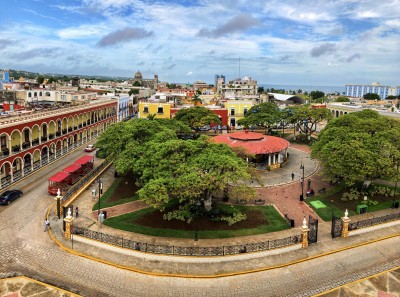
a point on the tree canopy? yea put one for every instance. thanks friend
(197, 116)
(261, 115)
(342, 99)
(169, 168)
(371, 96)
(316, 94)
(359, 146)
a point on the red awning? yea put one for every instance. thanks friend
(84, 160)
(72, 168)
(59, 177)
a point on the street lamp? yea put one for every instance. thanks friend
(394, 195)
(302, 183)
(198, 205)
(100, 192)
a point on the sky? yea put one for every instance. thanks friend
(279, 42)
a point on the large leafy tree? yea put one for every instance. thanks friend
(168, 168)
(316, 94)
(305, 118)
(261, 115)
(197, 117)
(359, 146)
(190, 171)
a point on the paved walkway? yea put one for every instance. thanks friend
(26, 250)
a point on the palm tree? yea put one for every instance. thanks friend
(196, 100)
(151, 116)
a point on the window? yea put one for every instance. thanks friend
(245, 111)
(40, 94)
(63, 97)
(29, 94)
(146, 109)
(48, 94)
(232, 111)
(75, 98)
(160, 109)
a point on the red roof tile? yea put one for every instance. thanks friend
(253, 143)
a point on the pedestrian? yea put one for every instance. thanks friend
(46, 225)
(292, 175)
(76, 212)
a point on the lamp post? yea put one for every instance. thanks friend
(302, 183)
(58, 201)
(198, 205)
(100, 192)
(394, 195)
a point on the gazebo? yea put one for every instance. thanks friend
(268, 150)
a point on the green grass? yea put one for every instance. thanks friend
(126, 222)
(317, 204)
(104, 203)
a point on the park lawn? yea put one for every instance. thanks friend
(333, 202)
(107, 200)
(127, 222)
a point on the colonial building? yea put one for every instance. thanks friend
(240, 88)
(237, 110)
(147, 83)
(31, 141)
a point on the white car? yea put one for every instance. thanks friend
(90, 148)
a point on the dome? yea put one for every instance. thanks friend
(138, 75)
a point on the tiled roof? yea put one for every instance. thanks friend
(253, 143)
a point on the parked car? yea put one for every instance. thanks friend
(90, 148)
(8, 196)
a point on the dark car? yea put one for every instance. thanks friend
(8, 196)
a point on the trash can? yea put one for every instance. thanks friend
(105, 214)
(362, 208)
(301, 197)
(396, 204)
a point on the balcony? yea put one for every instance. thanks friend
(43, 138)
(35, 141)
(16, 148)
(64, 131)
(69, 129)
(51, 136)
(58, 133)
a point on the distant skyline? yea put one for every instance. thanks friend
(328, 43)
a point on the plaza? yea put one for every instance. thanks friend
(91, 268)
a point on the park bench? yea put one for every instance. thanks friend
(259, 201)
(241, 201)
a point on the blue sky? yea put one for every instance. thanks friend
(329, 42)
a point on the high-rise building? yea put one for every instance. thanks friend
(219, 79)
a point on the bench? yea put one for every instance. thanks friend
(241, 201)
(259, 201)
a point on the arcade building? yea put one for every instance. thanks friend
(31, 141)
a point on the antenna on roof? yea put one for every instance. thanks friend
(239, 67)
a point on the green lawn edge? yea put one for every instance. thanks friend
(124, 222)
(104, 203)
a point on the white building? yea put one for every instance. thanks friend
(241, 88)
(359, 91)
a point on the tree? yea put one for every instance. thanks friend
(261, 115)
(40, 79)
(197, 117)
(190, 171)
(133, 91)
(371, 96)
(260, 90)
(196, 99)
(137, 84)
(167, 168)
(342, 99)
(316, 94)
(359, 146)
(305, 118)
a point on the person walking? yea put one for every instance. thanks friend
(292, 176)
(46, 225)
(76, 212)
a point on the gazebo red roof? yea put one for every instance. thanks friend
(253, 143)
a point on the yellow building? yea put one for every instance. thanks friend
(236, 110)
(161, 110)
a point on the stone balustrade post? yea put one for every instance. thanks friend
(68, 224)
(304, 234)
(345, 225)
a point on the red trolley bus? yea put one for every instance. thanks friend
(74, 171)
(60, 181)
(86, 163)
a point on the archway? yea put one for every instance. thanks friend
(45, 155)
(27, 164)
(17, 169)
